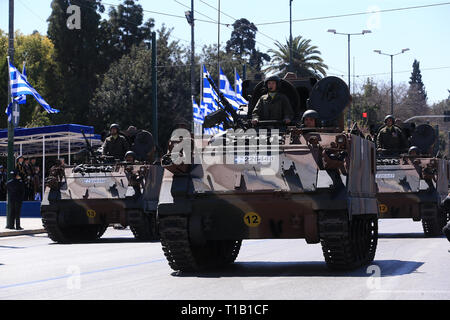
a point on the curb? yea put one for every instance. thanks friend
(21, 232)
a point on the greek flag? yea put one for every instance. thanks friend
(209, 101)
(20, 86)
(9, 111)
(227, 90)
(23, 98)
(197, 112)
(238, 86)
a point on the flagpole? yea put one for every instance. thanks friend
(10, 162)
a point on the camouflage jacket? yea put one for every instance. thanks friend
(115, 147)
(391, 138)
(276, 108)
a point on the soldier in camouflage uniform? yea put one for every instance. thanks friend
(115, 145)
(274, 105)
(390, 137)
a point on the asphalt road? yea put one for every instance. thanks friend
(406, 266)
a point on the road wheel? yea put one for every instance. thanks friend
(184, 256)
(433, 224)
(348, 244)
(143, 225)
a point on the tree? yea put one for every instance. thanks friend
(124, 29)
(242, 44)
(415, 101)
(306, 60)
(124, 95)
(416, 81)
(242, 40)
(125, 91)
(37, 50)
(78, 57)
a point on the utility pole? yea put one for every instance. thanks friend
(10, 162)
(192, 49)
(154, 92)
(392, 73)
(218, 41)
(348, 63)
(290, 35)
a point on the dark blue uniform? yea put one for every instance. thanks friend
(16, 192)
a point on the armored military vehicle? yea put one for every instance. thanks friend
(271, 182)
(414, 185)
(81, 201)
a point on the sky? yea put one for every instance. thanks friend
(425, 30)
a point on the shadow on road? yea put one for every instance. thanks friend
(109, 240)
(387, 268)
(412, 235)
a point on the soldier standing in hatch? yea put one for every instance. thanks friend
(390, 137)
(274, 105)
(310, 119)
(115, 145)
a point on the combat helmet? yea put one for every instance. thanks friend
(130, 153)
(273, 78)
(389, 116)
(414, 149)
(114, 125)
(310, 114)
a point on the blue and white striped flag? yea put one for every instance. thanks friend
(227, 90)
(197, 112)
(23, 98)
(20, 86)
(238, 85)
(209, 101)
(8, 111)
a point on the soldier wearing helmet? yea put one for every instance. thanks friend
(130, 157)
(273, 105)
(115, 145)
(310, 119)
(390, 137)
(413, 151)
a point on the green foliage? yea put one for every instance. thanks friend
(242, 44)
(416, 81)
(78, 57)
(39, 119)
(306, 60)
(124, 95)
(124, 29)
(370, 101)
(37, 51)
(242, 40)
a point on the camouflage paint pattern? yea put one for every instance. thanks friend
(409, 187)
(280, 194)
(103, 194)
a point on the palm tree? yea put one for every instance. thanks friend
(306, 60)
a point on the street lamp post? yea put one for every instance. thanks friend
(348, 37)
(392, 73)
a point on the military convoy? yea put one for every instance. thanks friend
(414, 184)
(81, 201)
(265, 180)
(271, 181)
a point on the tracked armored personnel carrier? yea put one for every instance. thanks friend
(81, 201)
(414, 186)
(271, 182)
